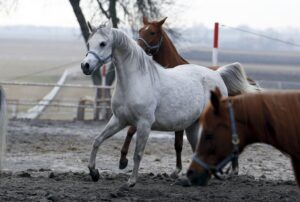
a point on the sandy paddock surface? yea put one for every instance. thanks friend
(46, 161)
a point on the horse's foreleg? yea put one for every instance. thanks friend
(178, 148)
(123, 160)
(143, 131)
(111, 128)
(296, 167)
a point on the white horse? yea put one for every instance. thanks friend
(2, 126)
(147, 95)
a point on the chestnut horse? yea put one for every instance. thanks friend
(155, 41)
(230, 124)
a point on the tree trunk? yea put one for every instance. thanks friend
(97, 80)
(113, 13)
(96, 76)
(80, 18)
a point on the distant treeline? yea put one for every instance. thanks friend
(189, 38)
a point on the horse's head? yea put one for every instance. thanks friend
(99, 48)
(216, 148)
(150, 35)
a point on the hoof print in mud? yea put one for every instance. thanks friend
(123, 163)
(94, 173)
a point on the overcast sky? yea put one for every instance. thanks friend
(255, 13)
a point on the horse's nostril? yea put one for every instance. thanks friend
(85, 66)
(189, 173)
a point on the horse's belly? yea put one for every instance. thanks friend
(171, 125)
(179, 115)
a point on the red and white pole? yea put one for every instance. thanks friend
(103, 72)
(216, 44)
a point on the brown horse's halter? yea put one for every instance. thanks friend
(150, 48)
(217, 170)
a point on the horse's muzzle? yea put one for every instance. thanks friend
(198, 179)
(86, 68)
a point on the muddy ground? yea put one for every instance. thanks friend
(46, 161)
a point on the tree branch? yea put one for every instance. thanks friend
(105, 12)
(124, 9)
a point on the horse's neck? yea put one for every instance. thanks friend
(167, 54)
(248, 130)
(254, 119)
(132, 65)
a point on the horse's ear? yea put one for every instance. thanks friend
(215, 98)
(160, 23)
(91, 27)
(145, 20)
(107, 27)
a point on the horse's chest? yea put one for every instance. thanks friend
(123, 110)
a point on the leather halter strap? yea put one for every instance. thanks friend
(102, 61)
(151, 47)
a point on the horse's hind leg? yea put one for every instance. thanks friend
(296, 166)
(192, 134)
(178, 148)
(111, 128)
(123, 160)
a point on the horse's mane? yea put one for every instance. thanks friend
(167, 40)
(136, 54)
(272, 114)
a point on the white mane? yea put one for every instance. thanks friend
(136, 55)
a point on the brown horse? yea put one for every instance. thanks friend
(230, 124)
(155, 41)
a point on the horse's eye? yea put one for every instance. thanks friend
(152, 33)
(102, 44)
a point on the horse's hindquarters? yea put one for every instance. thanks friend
(184, 92)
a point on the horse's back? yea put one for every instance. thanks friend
(187, 74)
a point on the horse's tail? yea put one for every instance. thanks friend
(2, 126)
(235, 79)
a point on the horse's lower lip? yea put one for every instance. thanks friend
(87, 72)
(199, 179)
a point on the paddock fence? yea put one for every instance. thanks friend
(84, 107)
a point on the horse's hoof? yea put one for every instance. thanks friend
(124, 188)
(183, 181)
(174, 175)
(123, 163)
(94, 174)
(132, 185)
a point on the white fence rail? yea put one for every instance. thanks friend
(280, 85)
(89, 104)
(63, 106)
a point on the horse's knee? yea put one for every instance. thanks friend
(131, 131)
(137, 157)
(96, 143)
